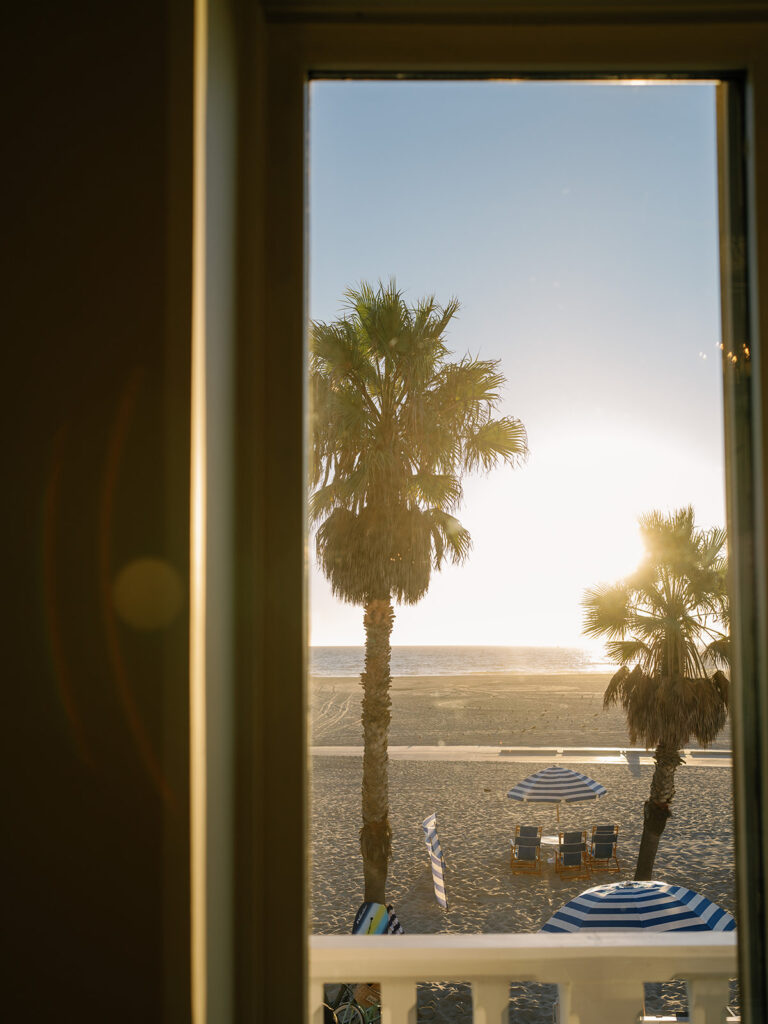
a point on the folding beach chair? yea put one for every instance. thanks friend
(571, 855)
(602, 849)
(526, 850)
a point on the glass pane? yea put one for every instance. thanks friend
(515, 338)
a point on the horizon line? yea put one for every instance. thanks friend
(560, 645)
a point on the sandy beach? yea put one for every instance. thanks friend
(495, 708)
(476, 819)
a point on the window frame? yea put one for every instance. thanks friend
(254, 66)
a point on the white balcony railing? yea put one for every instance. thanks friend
(599, 975)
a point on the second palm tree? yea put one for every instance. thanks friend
(669, 620)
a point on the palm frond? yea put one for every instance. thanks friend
(342, 492)
(723, 687)
(606, 611)
(707, 710)
(442, 490)
(718, 652)
(497, 439)
(615, 690)
(450, 537)
(624, 652)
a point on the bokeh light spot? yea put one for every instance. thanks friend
(148, 594)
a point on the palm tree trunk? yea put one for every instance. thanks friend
(656, 810)
(375, 835)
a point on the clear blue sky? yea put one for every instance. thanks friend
(577, 225)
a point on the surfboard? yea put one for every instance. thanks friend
(371, 919)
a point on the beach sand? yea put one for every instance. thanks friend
(476, 819)
(493, 709)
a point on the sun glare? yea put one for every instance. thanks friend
(580, 320)
(614, 552)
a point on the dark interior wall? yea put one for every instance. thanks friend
(95, 409)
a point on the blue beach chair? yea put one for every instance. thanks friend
(526, 850)
(571, 855)
(602, 848)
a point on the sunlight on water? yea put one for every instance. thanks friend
(452, 661)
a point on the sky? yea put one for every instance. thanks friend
(577, 225)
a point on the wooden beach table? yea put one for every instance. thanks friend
(551, 843)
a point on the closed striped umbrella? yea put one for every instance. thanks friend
(654, 905)
(557, 786)
(436, 859)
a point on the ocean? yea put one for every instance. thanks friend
(456, 661)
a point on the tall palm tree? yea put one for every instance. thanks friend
(394, 427)
(669, 620)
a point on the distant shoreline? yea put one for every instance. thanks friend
(493, 682)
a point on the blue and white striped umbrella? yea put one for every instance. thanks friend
(654, 905)
(436, 859)
(557, 786)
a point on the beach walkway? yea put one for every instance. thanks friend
(558, 755)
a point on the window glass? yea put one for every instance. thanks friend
(517, 488)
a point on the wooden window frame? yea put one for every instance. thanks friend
(248, 625)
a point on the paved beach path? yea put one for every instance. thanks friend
(523, 755)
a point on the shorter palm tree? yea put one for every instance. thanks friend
(670, 621)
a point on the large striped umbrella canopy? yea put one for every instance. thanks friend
(654, 905)
(557, 786)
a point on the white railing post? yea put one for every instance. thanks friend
(398, 1001)
(563, 1005)
(315, 995)
(707, 999)
(598, 1000)
(490, 1001)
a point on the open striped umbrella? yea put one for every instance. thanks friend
(557, 786)
(654, 905)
